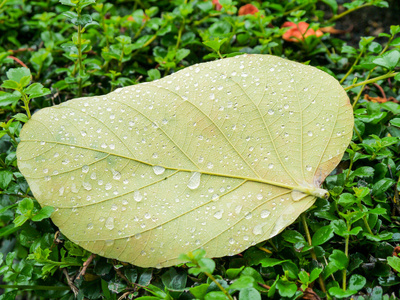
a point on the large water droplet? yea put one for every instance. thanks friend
(271, 111)
(85, 169)
(109, 223)
(310, 133)
(89, 226)
(218, 214)
(258, 229)
(137, 196)
(109, 243)
(265, 213)
(194, 181)
(116, 175)
(87, 186)
(158, 170)
(248, 216)
(308, 168)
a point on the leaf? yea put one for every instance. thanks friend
(339, 259)
(339, 293)
(17, 74)
(44, 213)
(154, 170)
(5, 178)
(394, 262)
(249, 294)
(357, 282)
(322, 235)
(388, 60)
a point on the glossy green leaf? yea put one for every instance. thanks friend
(339, 293)
(249, 294)
(394, 262)
(357, 282)
(322, 235)
(221, 155)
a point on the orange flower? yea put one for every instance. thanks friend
(248, 9)
(298, 32)
(217, 5)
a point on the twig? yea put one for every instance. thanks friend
(74, 289)
(86, 265)
(22, 50)
(18, 61)
(119, 273)
(267, 287)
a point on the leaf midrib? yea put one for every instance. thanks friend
(258, 180)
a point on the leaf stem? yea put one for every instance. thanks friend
(334, 18)
(346, 252)
(219, 285)
(313, 255)
(26, 104)
(2, 3)
(365, 220)
(358, 134)
(352, 67)
(80, 60)
(388, 75)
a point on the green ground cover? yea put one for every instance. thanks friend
(345, 246)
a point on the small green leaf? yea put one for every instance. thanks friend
(5, 178)
(174, 280)
(215, 44)
(394, 262)
(394, 29)
(44, 213)
(388, 60)
(339, 293)
(395, 122)
(362, 172)
(181, 54)
(11, 84)
(68, 2)
(347, 199)
(124, 39)
(356, 282)
(382, 186)
(20, 220)
(249, 294)
(242, 283)
(207, 265)
(216, 296)
(21, 117)
(339, 259)
(25, 205)
(153, 74)
(146, 277)
(322, 235)
(17, 74)
(293, 236)
(315, 274)
(286, 288)
(304, 278)
(333, 4)
(232, 273)
(199, 291)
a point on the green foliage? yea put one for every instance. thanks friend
(344, 247)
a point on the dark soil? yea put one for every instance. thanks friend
(369, 21)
